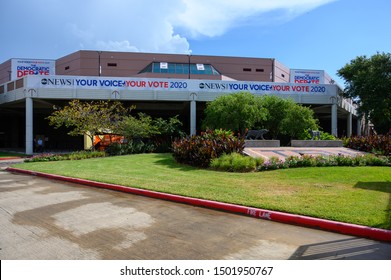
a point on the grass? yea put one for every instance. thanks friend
(359, 195)
(9, 155)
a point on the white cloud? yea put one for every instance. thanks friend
(116, 46)
(154, 26)
(129, 25)
(53, 28)
(215, 17)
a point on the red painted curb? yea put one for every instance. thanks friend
(344, 228)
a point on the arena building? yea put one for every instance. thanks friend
(162, 85)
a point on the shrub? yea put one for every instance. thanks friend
(201, 149)
(373, 160)
(344, 160)
(307, 161)
(236, 162)
(114, 149)
(272, 164)
(226, 162)
(132, 147)
(322, 161)
(84, 155)
(72, 156)
(327, 136)
(293, 161)
(305, 135)
(359, 161)
(378, 144)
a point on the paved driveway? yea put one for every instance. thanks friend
(44, 219)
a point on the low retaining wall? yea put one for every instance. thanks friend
(316, 143)
(261, 143)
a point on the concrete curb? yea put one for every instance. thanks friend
(344, 228)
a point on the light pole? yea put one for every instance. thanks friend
(189, 55)
(100, 67)
(193, 113)
(334, 115)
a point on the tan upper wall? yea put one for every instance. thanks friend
(5, 71)
(127, 64)
(281, 72)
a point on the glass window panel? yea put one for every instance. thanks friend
(208, 70)
(193, 69)
(215, 72)
(156, 67)
(147, 69)
(179, 68)
(171, 68)
(185, 68)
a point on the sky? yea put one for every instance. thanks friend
(301, 34)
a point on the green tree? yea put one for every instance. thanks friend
(236, 112)
(137, 127)
(241, 111)
(169, 128)
(298, 118)
(368, 81)
(277, 109)
(144, 126)
(89, 118)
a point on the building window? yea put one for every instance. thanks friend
(163, 65)
(66, 67)
(200, 67)
(112, 64)
(259, 70)
(180, 68)
(10, 86)
(147, 69)
(247, 69)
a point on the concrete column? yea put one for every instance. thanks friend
(334, 120)
(358, 127)
(29, 126)
(349, 125)
(193, 115)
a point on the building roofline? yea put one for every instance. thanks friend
(171, 54)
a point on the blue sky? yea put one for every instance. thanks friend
(303, 34)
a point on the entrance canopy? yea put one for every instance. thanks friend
(70, 87)
(144, 89)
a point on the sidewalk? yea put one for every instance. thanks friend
(305, 221)
(284, 152)
(5, 162)
(49, 219)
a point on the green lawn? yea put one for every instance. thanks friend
(7, 154)
(359, 195)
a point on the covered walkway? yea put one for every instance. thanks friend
(28, 101)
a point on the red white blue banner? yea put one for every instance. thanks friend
(175, 85)
(35, 67)
(299, 76)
